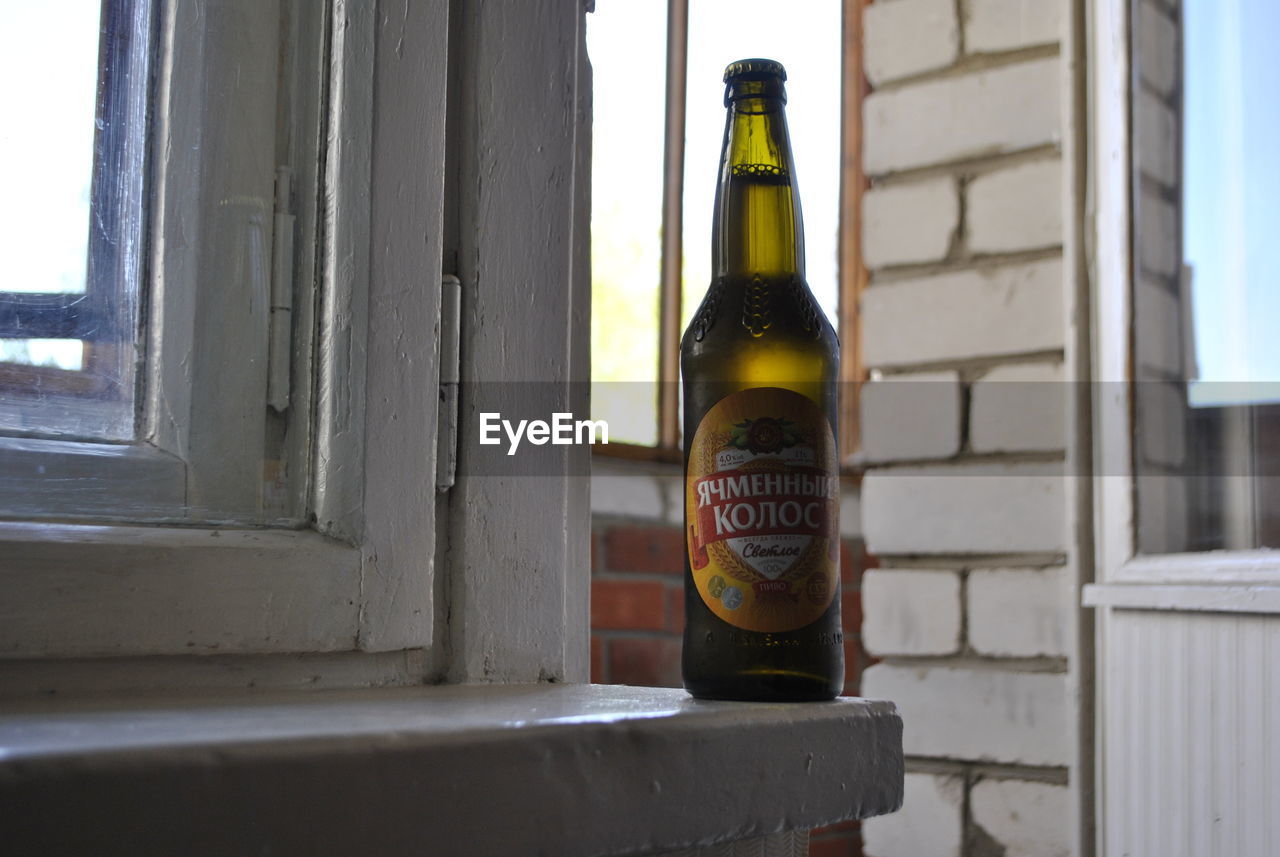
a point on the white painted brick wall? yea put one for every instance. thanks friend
(850, 508)
(911, 416)
(1158, 247)
(1161, 430)
(1005, 25)
(672, 486)
(1018, 612)
(1156, 132)
(1019, 408)
(631, 495)
(985, 113)
(980, 313)
(911, 612)
(978, 714)
(964, 509)
(1019, 208)
(1158, 47)
(909, 223)
(1162, 514)
(907, 37)
(928, 825)
(1028, 819)
(1157, 319)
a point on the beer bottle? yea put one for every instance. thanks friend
(759, 363)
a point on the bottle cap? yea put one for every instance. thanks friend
(754, 69)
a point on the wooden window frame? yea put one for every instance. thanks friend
(852, 272)
(388, 581)
(1132, 588)
(212, 589)
(195, 451)
(1124, 572)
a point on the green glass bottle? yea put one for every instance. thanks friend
(760, 363)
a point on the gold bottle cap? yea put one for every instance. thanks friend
(754, 69)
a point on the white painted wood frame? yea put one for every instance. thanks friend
(1189, 644)
(75, 591)
(202, 424)
(1112, 325)
(512, 604)
(1079, 461)
(518, 546)
(211, 251)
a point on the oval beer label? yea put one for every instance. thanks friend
(762, 510)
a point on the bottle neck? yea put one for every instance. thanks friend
(758, 229)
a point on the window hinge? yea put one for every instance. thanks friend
(450, 371)
(281, 334)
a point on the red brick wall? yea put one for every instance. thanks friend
(637, 603)
(637, 615)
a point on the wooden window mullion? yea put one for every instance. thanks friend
(853, 183)
(672, 226)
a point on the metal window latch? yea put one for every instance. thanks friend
(450, 376)
(281, 332)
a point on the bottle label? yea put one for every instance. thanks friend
(762, 510)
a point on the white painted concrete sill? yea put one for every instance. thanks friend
(564, 770)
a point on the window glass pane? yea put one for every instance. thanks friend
(626, 41)
(46, 142)
(71, 160)
(1207, 274)
(805, 38)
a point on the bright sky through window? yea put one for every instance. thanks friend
(626, 41)
(1231, 206)
(49, 65)
(805, 38)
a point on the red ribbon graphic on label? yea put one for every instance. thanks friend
(698, 557)
(737, 503)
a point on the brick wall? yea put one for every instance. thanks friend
(1164, 351)
(637, 593)
(965, 426)
(637, 602)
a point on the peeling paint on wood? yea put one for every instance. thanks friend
(407, 196)
(518, 545)
(173, 591)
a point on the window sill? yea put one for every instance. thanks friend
(525, 769)
(1208, 598)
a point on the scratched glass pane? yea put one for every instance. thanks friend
(70, 233)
